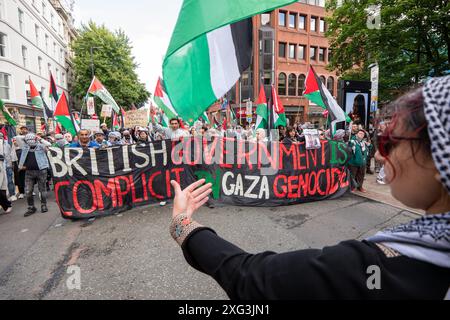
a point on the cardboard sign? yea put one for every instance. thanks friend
(90, 106)
(92, 125)
(106, 111)
(136, 118)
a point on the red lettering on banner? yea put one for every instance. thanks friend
(322, 193)
(177, 172)
(262, 147)
(150, 185)
(109, 191)
(328, 181)
(59, 185)
(283, 187)
(292, 187)
(168, 185)
(133, 191)
(302, 155)
(242, 155)
(144, 186)
(343, 177)
(334, 186)
(209, 152)
(313, 155)
(224, 152)
(177, 146)
(75, 197)
(291, 152)
(303, 184)
(121, 193)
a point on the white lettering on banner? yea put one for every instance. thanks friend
(140, 155)
(163, 151)
(126, 159)
(94, 165)
(57, 160)
(237, 189)
(74, 162)
(111, 161)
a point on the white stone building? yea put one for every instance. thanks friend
(35, 40)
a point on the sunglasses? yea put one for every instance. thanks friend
(386, 143)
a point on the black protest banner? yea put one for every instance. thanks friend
(92, 183)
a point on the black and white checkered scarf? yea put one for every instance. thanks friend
(426, 239)
(436, 93)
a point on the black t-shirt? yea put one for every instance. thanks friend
(30, 161)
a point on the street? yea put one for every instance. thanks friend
(132, 256)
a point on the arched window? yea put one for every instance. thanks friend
(292, 88)
(324, 81)
(301, 84)
(330, 85)
(282, 84)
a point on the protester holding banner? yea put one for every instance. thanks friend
(84, 140)
(413, 258)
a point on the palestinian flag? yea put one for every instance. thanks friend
(261, 110)
(115, 124)
(216, 123)
(53, 93)
(6, 114)
(279, 115)
(38, 102)
(64, 116)
(98, 90)
(123, 117)
(164, 119)
(318, 93)
(232, 115)
(210, 48)
(163, 102)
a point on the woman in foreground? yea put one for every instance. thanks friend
(413, 259)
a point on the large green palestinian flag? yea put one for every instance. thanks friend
(64, 116)
(279, 115)
(99, 90)
(261, 111)
(210, 48)
(317, 92)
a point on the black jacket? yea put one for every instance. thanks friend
(338, 272)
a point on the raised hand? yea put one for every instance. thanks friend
(190, 199)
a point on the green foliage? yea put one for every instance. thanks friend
(412, 44)
(114, 66)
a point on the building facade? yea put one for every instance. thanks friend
(286, 42)
(35, 38)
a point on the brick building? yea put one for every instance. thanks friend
(286, 42)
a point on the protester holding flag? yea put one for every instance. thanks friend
(413, 259)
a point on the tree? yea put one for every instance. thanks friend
(411, 45)
(113, 62)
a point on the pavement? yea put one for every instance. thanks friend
(132, 256)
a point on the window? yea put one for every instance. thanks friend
(313, 24)
(2, 44)
(4, 86)
(301, 84)
(282, 84)
(265, 19)
(49, 69)
(302, 52)
(321, 54)
(44, 10)
(282, 19)
(330, 55)
(330, 85)
(57, 75)
(312, 53)
(292, 20)
(267, 78)
(61, 55)
(46, 43)
(40, 65)
(36, 31)
(292, 84)
(324, 81)
(292, 48)
(24, 56)
(2, 8)
(52, 20)
(282, 50)
(63, 79)
(302, 22)
(54, 50)
(21, 25)
(322, 25)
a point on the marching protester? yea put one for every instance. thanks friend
(357, 163)
(8, 156)
(104, 129)
(99, 137)
(5, 183)
(413, 258)
(291, 136)
(172, 133)
(281, 133)
(127, 138)
(19, 175)
(143, 136)
(114, 139)
(60, 142)
(34, 160)
(68, 138)
(84, 140)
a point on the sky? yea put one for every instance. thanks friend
(148, 24)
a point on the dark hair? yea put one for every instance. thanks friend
(409, 116)
(175, 119)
